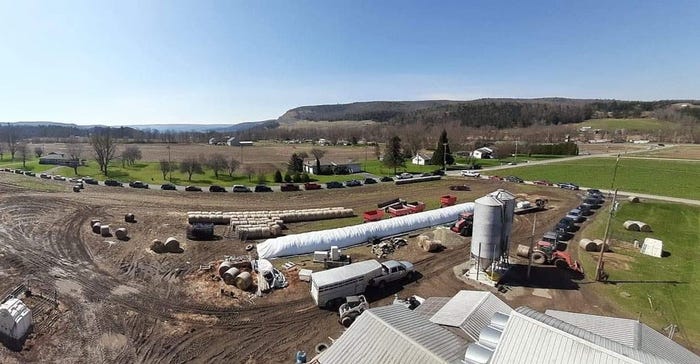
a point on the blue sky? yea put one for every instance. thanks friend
(135, 62)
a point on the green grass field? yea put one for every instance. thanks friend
(672, 283)
(628, 124)
(658, 177)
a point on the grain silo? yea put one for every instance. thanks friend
(15, 319)
(493, 222)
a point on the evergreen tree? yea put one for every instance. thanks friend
(296, 164)
(278, 176)
(393, 157)
(442, 153)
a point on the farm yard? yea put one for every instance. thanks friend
(118, 300)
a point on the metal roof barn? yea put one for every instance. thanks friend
(394, 335)
(630, 333)
(471, 311)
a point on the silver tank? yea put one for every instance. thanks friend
(493, 222)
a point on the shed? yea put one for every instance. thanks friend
(15, 319)
(652, 247)
(394, 334)
(482, 153)
(420, 159)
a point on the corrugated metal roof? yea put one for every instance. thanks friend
(430, 306)
(345, 272)
(631, 333)
(533, 337)
(394, 334)
(471, 311)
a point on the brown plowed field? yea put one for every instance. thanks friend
(120, 302)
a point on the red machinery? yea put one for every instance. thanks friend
(406, 209)
(545, 253)
(463, 226)
(447, 200)
(373, 215)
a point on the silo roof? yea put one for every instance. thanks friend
(502, 195)
(488, 201)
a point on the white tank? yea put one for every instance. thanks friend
(493, 222)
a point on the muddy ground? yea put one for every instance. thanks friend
(120, 302)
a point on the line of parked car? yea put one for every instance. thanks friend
(564, 229)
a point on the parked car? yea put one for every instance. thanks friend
(576, 215)
(138, 184)
(168, 187)
(193, 189)
(240, 188)
(496, 178)
(370, 181)
(262, 188)
(90, 180)
(334, 184)
(514, 179)
(543, 182)
(594, 191)
(312, 186)
(353, 183)
(469, 173)
(287, 187)
(113, 183)
(386, 179)
(404, 175)
(568, 186)
(216, 188)
(29, 173)
(58, 177)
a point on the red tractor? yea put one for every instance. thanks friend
(464, 225)
(545, 253)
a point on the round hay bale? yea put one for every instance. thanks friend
(244, 280)
(523, 251)
(93, 221)
(224, 266)
(230, 275)
(129, 217)
(631, 225)
(104, 230)
(157, 246)
(588, 245)
(172, 245)
(633, 199)
(121, 234)
(96, 227)
(431, 245)
(599, 245)
(644, 227)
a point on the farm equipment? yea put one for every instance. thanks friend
(463, 226)
(373, 215)
(524, 207)
(545, 253)
(447, 200)
(354, 306)
(411, 302)
(406, 208)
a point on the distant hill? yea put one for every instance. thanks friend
(199, 127)
(499, 113)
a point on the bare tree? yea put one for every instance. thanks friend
(166, 167)
(38, 151)
(191, 166)
(217, 162)
(131, 154)
(24, 153)
(249, 171)
(11, 141)
(232, 166)
(75, 152)
(2, 151)
(318, 154)
(377, 151)
(104, 147)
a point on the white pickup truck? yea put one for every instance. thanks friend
(330, 287)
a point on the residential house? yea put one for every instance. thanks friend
(420, 159)
(310, 167)
(60, 159)
(482, 153)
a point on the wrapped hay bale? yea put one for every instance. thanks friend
(633, 199)
(431, 245)
(172, 245)
(129, 218)
(94, 221)
(230, 275)
(157, 246)
(631, 225)
(243, 280)
(121, 234)
(588, 245)
(96, 227)
(104, 230)
(601, 245)
(224, 266)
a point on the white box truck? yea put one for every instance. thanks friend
(330, 287)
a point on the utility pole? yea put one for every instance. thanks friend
(600, 272)
(515, 156)
(170, 166)
(444, 157)
(532, 243)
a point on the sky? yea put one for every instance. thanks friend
(146, 62)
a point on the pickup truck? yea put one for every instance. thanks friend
(470, 173)
(393, 270)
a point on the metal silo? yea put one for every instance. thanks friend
(493, 221)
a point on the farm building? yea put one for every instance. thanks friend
(496, 334)
(232, 142)
(15, 319)
(55, 158)
(310, 167)
(482, 153)
(420, 159)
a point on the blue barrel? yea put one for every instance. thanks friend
(301, 357)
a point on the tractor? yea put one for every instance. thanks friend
(353, 307)
(463, 226)
(545, 253)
